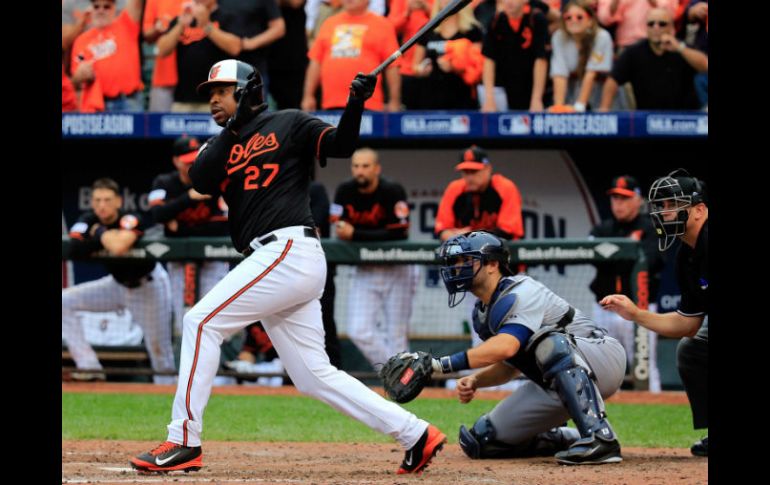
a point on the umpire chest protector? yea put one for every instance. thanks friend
(487, 321)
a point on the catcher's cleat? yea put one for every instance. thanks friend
(417, 457)
(593, 450)
(169, 457)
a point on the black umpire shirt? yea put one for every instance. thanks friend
(85, 238)
(614, 277)
(692, 274)
(382, 215)
(264, 172)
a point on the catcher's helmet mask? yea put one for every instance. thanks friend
(465, 249)
(675, 194)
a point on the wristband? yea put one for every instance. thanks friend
(454, 363)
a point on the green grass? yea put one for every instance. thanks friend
(281, 418)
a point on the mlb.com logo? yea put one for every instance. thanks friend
(520, 124)
(677, 124)
(435, 124)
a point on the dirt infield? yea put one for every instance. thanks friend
(365, 463)
(104, 462)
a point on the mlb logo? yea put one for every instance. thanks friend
(702, 127)
(515, 125)
(460, 125)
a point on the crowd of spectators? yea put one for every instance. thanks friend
(494, 55)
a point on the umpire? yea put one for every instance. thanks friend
(678, 207)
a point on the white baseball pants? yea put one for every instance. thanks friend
(280, 284)
(379, 307)
(149, 304)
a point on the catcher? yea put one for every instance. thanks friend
(526, 328)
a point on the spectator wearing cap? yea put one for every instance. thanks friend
(627, 221)
(660, 68)
(184, 212)
(479, 200)
(201, 35)
(105, 59)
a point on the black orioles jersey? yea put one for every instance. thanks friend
(263, 173)
(169, 200)
(382, 215)
(615, 276)
(86, 236)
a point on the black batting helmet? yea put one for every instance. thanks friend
(229, 71)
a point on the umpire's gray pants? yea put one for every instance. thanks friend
(530, 409)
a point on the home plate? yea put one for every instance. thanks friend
(115, 469)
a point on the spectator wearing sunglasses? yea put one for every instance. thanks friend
(105, 59)
(628, 18)
(660, 68)
(581, 57)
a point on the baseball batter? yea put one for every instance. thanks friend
(184, 212)
(372, 208)
(140, 286)
(570, 362)
(261, 163)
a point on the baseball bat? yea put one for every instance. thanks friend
(451, 9)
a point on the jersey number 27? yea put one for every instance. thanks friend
(253, 172)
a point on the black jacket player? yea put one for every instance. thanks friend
(185, 212)
(371, 208)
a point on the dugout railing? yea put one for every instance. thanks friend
(565, 265)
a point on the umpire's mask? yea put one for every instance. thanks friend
(670, 198)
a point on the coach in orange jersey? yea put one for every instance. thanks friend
(480, 200)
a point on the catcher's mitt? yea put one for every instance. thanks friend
(405, 374)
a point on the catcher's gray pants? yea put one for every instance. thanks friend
(149, 304)
(530, 409)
